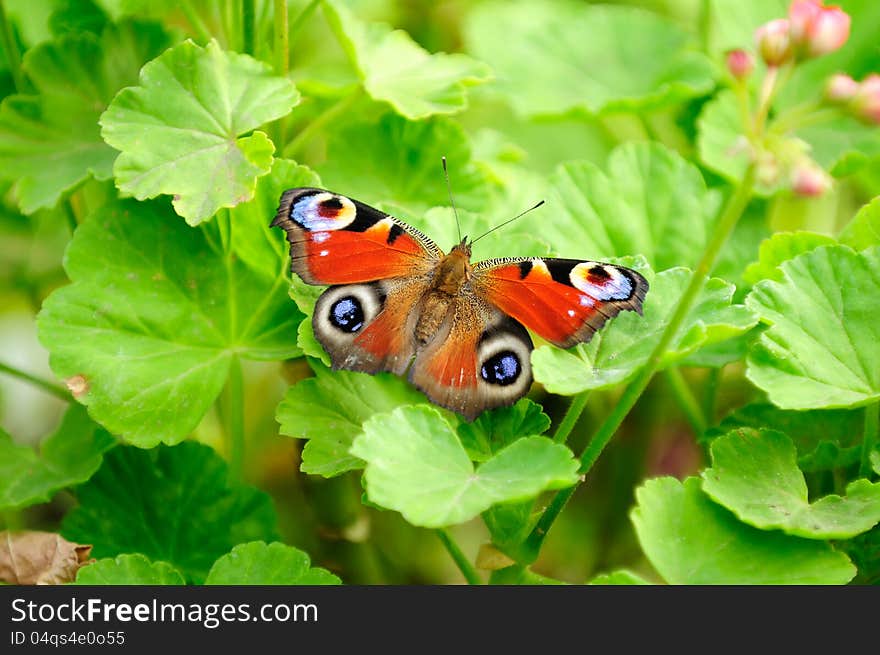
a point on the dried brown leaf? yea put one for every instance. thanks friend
(35, 558)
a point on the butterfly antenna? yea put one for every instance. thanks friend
(511, 220)
(451, 201)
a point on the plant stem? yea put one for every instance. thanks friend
(235, 420)
(803, 117)
(467, 569)
(248, 13)
(710, 394)
(281, 44)
(734, 208)
(293, 148)
(869, 439)
(572, 414)
(686, 400)
(13, 57)
(199, 26)
(49, 387)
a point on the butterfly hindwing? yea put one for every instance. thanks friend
(563, 300)
(337, 240)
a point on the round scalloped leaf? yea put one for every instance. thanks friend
(493, 430)
(191, 108)
(755, 474)
(417, 466)
(863, 231)
(259, 563)
(691, 540)
(394, 68)
(130, 569)
(651, 202)
(622, 346)
(173, 504)
(155, 314)
(633, 59)
(823, 342)
(779, 248)
(51, 141)
(67, 457)
(329, 410)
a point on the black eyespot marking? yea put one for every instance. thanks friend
(393, 233)
(332, 203)
(525, 267)
(501, 369)
(347, 315)
(599, 273)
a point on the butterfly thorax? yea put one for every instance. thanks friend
(450, 275)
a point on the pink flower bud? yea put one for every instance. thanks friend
(774, 42)
(841, 88)
(740, 64)
(815, 29)
(807, 179)
(866, 103)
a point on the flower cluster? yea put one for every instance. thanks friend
(811, 30)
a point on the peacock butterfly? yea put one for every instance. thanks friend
(398, 303)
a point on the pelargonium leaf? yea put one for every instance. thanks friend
(156, 312)
(863, 231)
(330, 409)
(553, 69)
(173, 504)
(650, 202)
(691, 540)
(620, 348)
(823, 342)
(779, 248)
(193, 107)
(417, 466)
(394, 68)
(825, 439)
(50, 141)
(67, 457)
(754, 474)
(259, 563)
(621, 577)
(495, 429)
(129, 569)
(410, 174)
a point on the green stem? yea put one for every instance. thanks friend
(686, 400)
(303, 16)
(199, 26)
(45, 385)
(467, 569)
(572, 414)
(281, 44)
(869, 439)
(710, 394)
(248, 14)
(724, 227)
(235, 420)
(803, 118)
(13, 57)
(293, 148)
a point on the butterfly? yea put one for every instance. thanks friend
(398, 303)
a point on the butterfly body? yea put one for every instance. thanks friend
(399, 303)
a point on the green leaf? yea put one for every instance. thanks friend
(650, 202)
(394, 68)
(779, 248)
(520, 575)
(825, 438)
(305, 296)
(509, 525)
(620, 348)
(863, 231)
(823, 343)
(156, 312)
(173, 504)
(417, 466)
(622, 577)
(50, 142)
(754, 474)
(408, 172)
(500, 427)
(633, 60)
(720, 140)
(329, 410)
(130, 569)
(258, 563)
(180, 132)
(691, 540)
(67, 457)
(733, 24)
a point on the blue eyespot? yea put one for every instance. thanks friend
(347, 315)
(501, 369)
